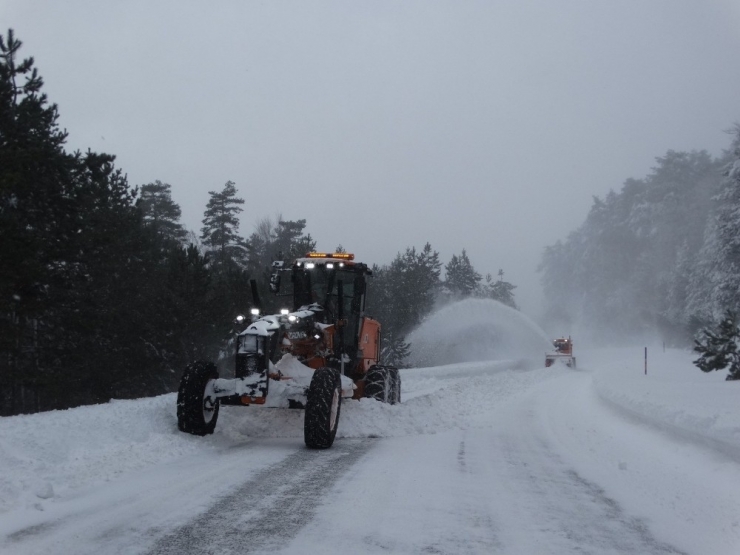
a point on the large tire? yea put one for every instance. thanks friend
(197, 407)
(395, 379)
(377, 384)
(323, 402)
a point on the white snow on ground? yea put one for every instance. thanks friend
(674, 394)
(480, 457)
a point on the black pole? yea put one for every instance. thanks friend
(255, 294)
(646, 361)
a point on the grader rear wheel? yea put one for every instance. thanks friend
(395, 379)
(377, 383)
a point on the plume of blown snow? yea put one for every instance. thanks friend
(476, 330)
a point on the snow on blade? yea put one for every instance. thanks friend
(475, 330)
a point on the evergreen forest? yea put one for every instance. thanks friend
(660, 256)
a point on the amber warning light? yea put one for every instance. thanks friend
(339, 255)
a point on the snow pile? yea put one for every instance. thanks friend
(473, 330)
(48, 456)
(45, 455)
(674, 395)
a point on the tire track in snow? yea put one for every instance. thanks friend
(722, 447)
(570, 513)
(461, 457)
(264, 513)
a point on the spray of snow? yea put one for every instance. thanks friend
(476, 330)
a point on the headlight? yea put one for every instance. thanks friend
(255, 312)
(284, 311)
(292, 318)
(310, 265)
(240, 318)
(329, 265)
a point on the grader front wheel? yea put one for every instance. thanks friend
(197, 406)
(323, 401)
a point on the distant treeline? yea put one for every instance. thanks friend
(104, 294)
(662, 254)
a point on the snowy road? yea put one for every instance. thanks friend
(265, 512)
(490, 457)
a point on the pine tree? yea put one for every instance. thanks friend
(461, 278)
(403, 293)
(34, 181)
(220, 231)
(395, 351)
(719, 347)
(290, 240)
(498, 290)
(275, 239)
(715, 279)
(38, 226)
(198, 329)
(161, 213)
(79, 290)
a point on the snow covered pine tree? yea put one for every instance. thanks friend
(719, 348)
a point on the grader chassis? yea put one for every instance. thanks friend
(312, 356)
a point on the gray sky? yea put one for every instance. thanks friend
(484, 125)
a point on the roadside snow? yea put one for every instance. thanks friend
(48, 455)
(666, 446)
(674, 394)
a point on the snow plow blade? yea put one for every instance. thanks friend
(569, 361)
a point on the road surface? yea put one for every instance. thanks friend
(491, 457)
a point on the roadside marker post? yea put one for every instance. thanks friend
(646, 361)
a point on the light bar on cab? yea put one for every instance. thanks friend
(338, 255)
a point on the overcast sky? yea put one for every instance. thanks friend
(484, 125)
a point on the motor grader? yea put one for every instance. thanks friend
(321, 349)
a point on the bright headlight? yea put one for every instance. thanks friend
(310, 265)
(284, 311)
(255, 312)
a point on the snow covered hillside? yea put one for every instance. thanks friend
(525, 459)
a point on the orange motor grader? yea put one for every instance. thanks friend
(319, 350)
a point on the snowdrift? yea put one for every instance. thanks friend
(674, 396)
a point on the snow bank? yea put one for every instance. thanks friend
(44, 455)
(473, 330)
(674, 395)
(48, 456)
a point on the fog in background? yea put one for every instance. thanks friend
(479, 125)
